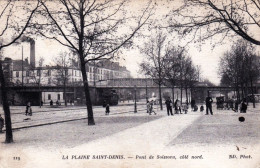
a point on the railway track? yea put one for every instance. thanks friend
(60, 116)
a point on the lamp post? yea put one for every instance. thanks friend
(146, 90)
(135, 110)
(22, 65)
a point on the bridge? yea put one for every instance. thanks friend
(126, 89)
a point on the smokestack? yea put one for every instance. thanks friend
(32, 49)
(32, 53)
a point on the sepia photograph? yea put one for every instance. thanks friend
(130, 83)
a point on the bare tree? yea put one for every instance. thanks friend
(183, 64)
(207, 18)
(240, 68)
(152, 65)
(171, 67)
(11, 24)
(191, 76)
(62, 76)
(91, 29)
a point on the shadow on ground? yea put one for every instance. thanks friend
(74, 133)
(222, 129)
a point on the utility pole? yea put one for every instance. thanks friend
(146, 89)
(135, 109)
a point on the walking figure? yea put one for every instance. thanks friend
(177, 106)
(1, 124)
(168, 103)
(107, 109)
(209, 105)
(151, 108)
(243, 106)
(236, 106)
(148, 106)
(28, 109)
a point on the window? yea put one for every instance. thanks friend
(27, 73)
(27, 80)
(66, 72)
(49, 96)
(58, 96)
(49, 80)
(75, 73)
(17, 74)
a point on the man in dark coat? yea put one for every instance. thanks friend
(192, 103)
(168, 103)
(209, 105)
(243, 106)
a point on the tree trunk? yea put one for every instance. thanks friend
(8, 122)
(64, 93)
(252, 92)
(242, 90)
(191, 92)
(181, 94)
(83, 68)
(160, 96)
(186, 91)
(40, 96)
(172, 93)
(238, 94)
(87, 94)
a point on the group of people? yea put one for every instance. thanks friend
(57, 103)
(208, 101)
(149, 106)
(178, 107)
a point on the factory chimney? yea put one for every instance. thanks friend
(32, 53)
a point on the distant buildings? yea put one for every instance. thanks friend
(21, 72)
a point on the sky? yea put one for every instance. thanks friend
(204, 56)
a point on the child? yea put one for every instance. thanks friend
(185, 108)
(201, 108)
(28, 109)
(1, 124)
(151, 108)
(107, 109)
(148, 107)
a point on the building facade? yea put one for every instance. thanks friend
(22, 73)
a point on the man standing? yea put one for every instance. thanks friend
(168, 103)
(28, 110)
(209, 105)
